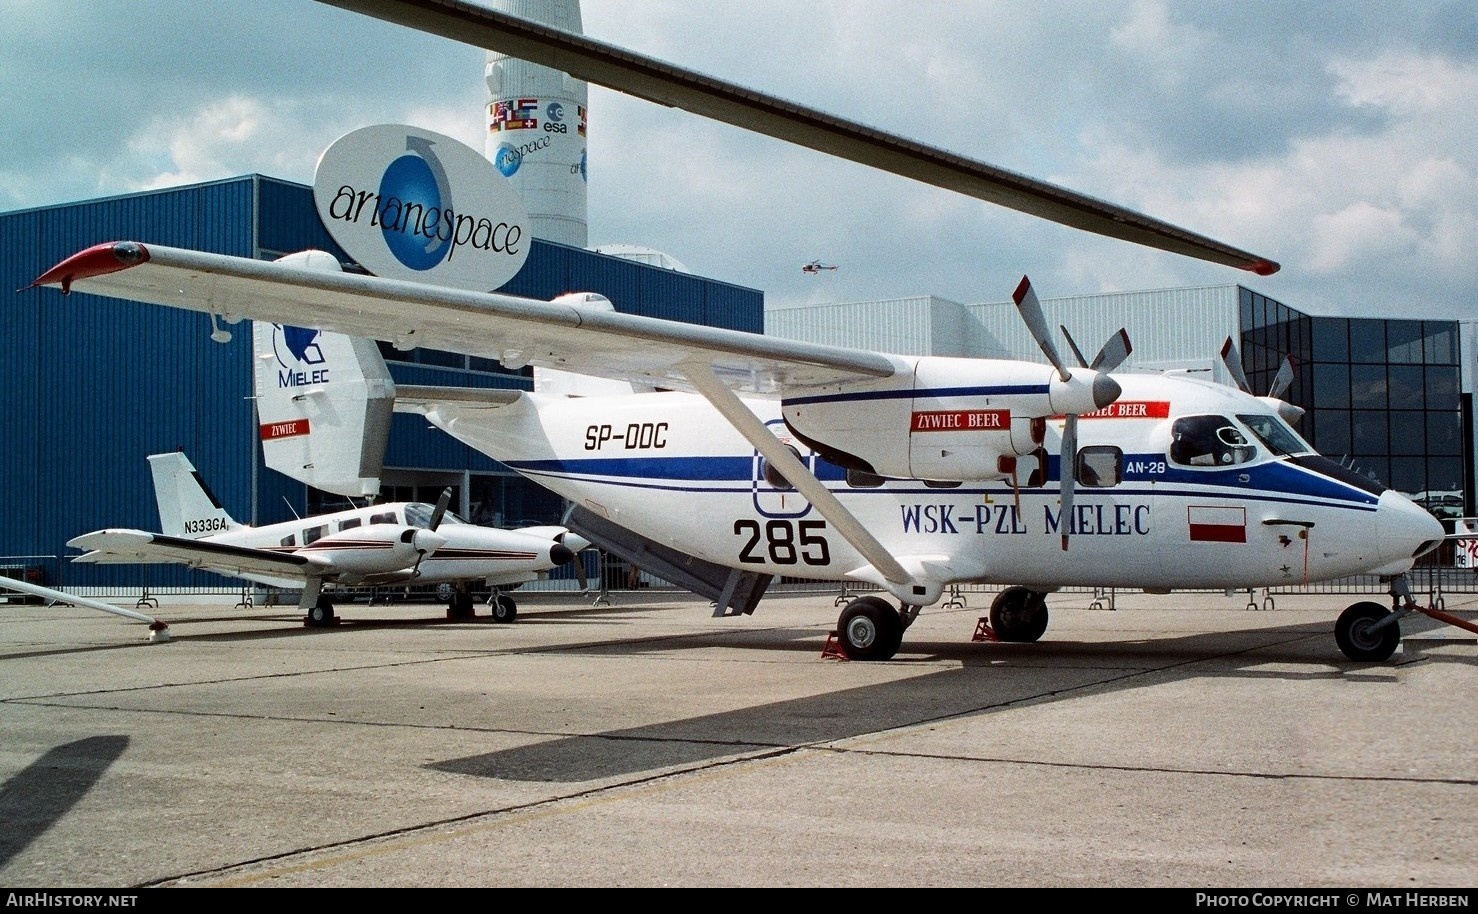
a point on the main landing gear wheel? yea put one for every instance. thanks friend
(321, 613)
(504, 609)
(869, 629)
(1018, 614)
(1352, 632)
(460, 604)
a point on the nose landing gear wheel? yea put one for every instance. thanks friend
(869, 629)
(1352, 632)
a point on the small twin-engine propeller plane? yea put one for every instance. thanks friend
(747, 456)
(383, 544)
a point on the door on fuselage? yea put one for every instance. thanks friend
(773, 494)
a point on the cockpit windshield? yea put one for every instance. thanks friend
(418, 514)
(1275, 434)
(1208, 441)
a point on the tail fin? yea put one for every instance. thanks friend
(324, 402)
(187, 507)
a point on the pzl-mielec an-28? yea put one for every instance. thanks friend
(764, 457)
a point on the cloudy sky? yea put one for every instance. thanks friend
(1338, 138)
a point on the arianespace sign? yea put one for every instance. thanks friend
(410, 204)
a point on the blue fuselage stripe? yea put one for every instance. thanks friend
(1273, 481)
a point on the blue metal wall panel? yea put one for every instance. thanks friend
(288, 221)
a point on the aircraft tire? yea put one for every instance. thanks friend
(504, 609)
(1019, 615)
(1353, 635)
(869, 629)
(321, 613)
(460, 605)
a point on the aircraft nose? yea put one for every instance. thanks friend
(1405, 529)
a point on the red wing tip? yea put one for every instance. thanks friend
(1263, 267)
(1021, 289)
(98, 260)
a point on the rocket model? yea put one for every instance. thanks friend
(536, 128)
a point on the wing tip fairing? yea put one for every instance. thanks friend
(98, 260)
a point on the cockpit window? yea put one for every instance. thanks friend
(418, 514)
(1208, 441)
(1275, 434)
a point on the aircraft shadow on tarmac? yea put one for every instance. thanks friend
(39, 796)
(989, 679)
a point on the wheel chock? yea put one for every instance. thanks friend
(983, 631)
(833, 648)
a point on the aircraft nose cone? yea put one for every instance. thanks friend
(560, 554)
(1105, 390)
(1405, 528)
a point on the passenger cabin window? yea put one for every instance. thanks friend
(289, 541)
(385, 517)
(1037, 477)
(1208, 441)
(773, 476)
(1100, 467)
(313, 534)
(349, 524)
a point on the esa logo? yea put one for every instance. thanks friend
(206, 525)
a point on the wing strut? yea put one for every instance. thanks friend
(749, 425)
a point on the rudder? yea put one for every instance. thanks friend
(187, 506)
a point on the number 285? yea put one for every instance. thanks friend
(783, 542)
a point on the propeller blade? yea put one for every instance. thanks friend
(441, 506)
(1036, 324)
(1067, 463)
(1113, 353)
(1283, 379)
(1233, 362)
(1077, 353)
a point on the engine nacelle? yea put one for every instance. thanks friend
(952, 419)
(374, 549)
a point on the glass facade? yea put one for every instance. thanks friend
(1382, 397)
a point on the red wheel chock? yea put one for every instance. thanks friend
(833, 648)
(983, 631)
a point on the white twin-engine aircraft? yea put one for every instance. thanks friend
(758, 456)
(384, 544)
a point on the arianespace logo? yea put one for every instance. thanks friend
(411, 204)
(300, 360)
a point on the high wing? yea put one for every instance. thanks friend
(660, 82)
(116, 546)
(516, 331)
